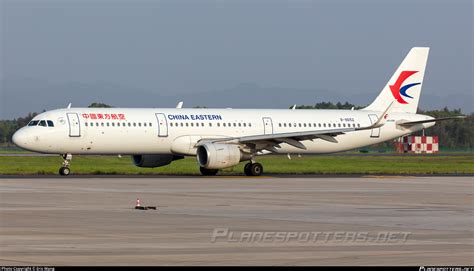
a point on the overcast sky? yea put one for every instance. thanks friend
(173, 47)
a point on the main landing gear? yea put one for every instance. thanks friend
(253, 169)
(208, 172)
(64, 170)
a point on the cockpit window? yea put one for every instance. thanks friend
(42, 123)
(50, 123)
(33, 123)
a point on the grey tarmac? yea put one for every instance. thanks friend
(237, 220)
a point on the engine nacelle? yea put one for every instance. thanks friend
(154, 160)
(218, 156)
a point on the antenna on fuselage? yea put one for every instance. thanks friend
(294, 107)
(179, 105)
(69, 106)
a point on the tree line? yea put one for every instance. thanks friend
(457, 134)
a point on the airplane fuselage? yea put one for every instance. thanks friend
(176, 131)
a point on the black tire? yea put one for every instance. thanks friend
(256, 169)
(247, 169)
(64, 171)
(208, 172)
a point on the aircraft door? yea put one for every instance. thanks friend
(376, 131)
(162, 125)
(74, 125)
(267, 126)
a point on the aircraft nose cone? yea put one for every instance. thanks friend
(20, 138)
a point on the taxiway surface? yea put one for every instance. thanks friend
(237, 221)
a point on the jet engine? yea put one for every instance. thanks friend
(218, 156)
(154, 160)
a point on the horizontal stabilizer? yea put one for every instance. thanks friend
(410, 123)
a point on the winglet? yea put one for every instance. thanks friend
(380, 121)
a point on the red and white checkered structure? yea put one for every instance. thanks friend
(417, 144)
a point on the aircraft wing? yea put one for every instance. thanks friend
(271, 141)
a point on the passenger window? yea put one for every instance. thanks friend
(250, 124)
(223, 124)
(202, 124)
(92, 124)
(218, 124)
(339, 125)
(139, 124)
(113, 124)
(192, 124)
(134, 124)
(144, 124)
(240, 124)
(85, 123)
(102, 124)
(235, 124)
(51, 124)
(210, 124)
(304, 124)
(108, 124)
(182, 124)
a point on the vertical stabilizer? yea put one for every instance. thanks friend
(405, 85)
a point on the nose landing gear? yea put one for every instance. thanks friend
(64, 170)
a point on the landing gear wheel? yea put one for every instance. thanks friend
(247, 169)
(256, 169)
(64, 171)
(208, 172)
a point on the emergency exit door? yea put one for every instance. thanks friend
(267, 126)
(375, 131)
(162, 125)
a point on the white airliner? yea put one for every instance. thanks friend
(222, 138)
